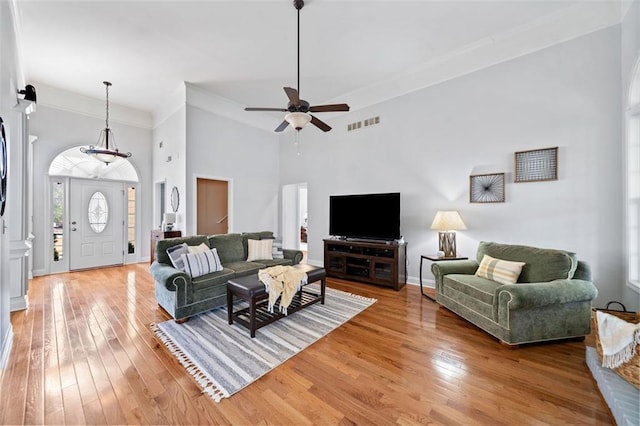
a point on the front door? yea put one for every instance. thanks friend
(213, 206)
(96, 224)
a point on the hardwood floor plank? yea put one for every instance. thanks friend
(84, 353)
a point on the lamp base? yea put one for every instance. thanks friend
(447, 243)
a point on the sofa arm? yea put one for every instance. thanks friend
(531, 295)
(172, 278)
(446, 267)
(295, 256)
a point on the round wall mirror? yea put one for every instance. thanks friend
(175, 199)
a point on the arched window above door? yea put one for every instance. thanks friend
(74, 163)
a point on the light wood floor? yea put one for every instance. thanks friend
(83, 354)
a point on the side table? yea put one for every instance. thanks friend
(434, 258)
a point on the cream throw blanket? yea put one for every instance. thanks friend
(282, 281)
(618, 339)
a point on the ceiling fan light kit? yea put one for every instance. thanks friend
(298, 109)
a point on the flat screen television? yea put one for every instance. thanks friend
(369, 216)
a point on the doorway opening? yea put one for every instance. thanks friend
(295, 221)
(93, 213)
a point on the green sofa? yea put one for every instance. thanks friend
(551, 300)
(182, 297)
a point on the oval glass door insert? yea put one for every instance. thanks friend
(98, 212)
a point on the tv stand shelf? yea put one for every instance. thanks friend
(379, 263)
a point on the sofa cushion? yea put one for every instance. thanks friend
(274, 262)
(260, 249)
(201, 263)
(541, 265)
(162, 245)
(476, 287)
(205, 284)
(500, 271)
(229, 247)
(244, 267)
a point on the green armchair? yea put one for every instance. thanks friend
(551, 299)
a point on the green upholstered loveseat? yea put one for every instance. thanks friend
(181, 296)
(551, 300)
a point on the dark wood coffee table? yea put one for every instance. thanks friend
(252, 290)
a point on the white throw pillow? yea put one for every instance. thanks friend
(260, 249)
(500, 271)
(198, 264)
(175, 255)
(198, 249)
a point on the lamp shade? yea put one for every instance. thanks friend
(448, 220)
(169, 218)
(298, 120)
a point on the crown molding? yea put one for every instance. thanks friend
(216, 104)
(76, 103)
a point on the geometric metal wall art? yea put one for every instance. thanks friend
(536, 165)
(487, 188)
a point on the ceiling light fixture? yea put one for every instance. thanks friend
(106, 149)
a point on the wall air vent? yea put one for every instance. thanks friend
(367, 123)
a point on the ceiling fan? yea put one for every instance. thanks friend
(298, 109)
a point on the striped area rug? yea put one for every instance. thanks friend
(224, 359)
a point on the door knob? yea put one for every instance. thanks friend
(73, 229)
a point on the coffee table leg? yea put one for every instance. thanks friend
(229, 306)
(322, 288)
(252, 318)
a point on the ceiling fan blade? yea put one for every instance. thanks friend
(292, 94)
(266, 109)
(328, 108)
(320, 124)
(282, 126)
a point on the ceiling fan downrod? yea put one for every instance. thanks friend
(298, 4)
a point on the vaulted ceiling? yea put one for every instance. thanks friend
(358, 51)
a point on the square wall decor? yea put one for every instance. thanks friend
(536, 165)
(486, 188)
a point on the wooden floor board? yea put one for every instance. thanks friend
(84, 353)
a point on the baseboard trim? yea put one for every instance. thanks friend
(7, 343)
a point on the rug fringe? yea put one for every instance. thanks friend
(357, 296)
(208, 387)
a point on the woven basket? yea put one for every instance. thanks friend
(630, 370)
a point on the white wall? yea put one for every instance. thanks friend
(10, 81)
(429, 142)
(169, 162)
(59, 130)
(219, 147)
(630, 55)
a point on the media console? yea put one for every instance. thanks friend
(380, 263)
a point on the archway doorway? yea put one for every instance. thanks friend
(93, 213)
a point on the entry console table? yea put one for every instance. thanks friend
(159, 234)
(377, 263)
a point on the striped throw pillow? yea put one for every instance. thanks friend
(198, 264)
(175, 255)
(500, 271)
(260, 249)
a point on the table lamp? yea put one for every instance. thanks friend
(447, 222)
(169, 219)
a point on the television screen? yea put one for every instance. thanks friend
(372, 216)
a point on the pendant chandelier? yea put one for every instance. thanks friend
(106, 149)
